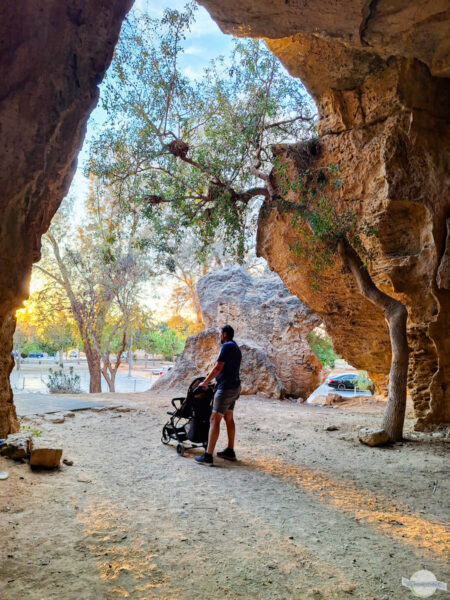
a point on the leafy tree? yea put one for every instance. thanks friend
(195, 153)
(322, 347)
(164, 340)
(100, 268)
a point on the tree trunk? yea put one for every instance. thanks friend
(109, 376)
(61, 356)
(95, 377)
(396, 316)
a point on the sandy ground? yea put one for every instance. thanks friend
(304, 514)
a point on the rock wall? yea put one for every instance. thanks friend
(270, 327)
(53, 55)
(378, 72)
(258, 374)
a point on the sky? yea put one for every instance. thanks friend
(205, 42)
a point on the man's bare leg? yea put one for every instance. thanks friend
(231, 428)
(214, 430)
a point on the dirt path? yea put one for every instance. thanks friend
(305, 513)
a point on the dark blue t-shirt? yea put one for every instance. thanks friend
(230, 355)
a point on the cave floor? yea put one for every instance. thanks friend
(304, 514)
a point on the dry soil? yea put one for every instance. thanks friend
(304, 514)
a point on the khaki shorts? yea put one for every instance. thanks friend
(225, 400)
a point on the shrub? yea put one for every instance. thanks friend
(363, 383)
(63, 382)
(322, 347)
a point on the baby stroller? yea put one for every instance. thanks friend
(189, 422)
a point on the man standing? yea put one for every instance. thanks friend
(226, 372)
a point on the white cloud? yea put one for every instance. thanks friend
(194, 50)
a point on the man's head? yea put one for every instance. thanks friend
(226, 334)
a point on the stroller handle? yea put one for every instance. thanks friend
(180, 400)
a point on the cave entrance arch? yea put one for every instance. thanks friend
(379, 77)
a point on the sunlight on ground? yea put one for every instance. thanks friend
(123, 563)
(392, 520)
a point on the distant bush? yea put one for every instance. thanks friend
(322, 347)
(63, 382)
(363, 383)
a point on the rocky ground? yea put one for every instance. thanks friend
(305, 514)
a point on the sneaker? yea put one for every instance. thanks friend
(228, 454)
(204, 459)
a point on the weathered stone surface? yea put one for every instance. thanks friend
(378, 72)
(258, 374)
(52, 57)
(261, 309)
(16, 446)
(373, 437)
(381, 29)
(44, 452)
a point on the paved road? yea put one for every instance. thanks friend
(324, 389)
(39, 404)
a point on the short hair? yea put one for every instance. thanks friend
(228, 330)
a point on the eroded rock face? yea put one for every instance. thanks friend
(270, 327)
(378, 72)
(258, 374)
(52, 57)
(262, 310)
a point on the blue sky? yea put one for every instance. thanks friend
(205, 42)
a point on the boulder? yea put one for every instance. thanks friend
(16, 446)
(44, 452)
(263, 312)
(258, 374)
(372, 436)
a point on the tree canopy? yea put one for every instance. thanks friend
(195, 153)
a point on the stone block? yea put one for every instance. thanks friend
(17, 445)
(372, 436)
(45, 453)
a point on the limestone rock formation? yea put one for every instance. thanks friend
(52, 57)
(258, 374)
(261, 309)
(270, 326)
(378, 72)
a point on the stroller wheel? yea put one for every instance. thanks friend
(165, 438)
(180, 449)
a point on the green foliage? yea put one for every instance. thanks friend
(322, 347)
(320, 215)
(63, 382)
(29, 346)
(189, 150)
(363, 383)
(28, 429)
(164, 340)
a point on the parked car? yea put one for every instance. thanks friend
(161, 371)
(347, 381)
(36, 355)
(73, 354)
